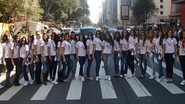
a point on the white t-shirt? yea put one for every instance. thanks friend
(98, 43)
(52, 46)
(124, 44)
(107, 48)
(170, 45)
(142, 49)
(59, 47)
(23, 51)
(116, 46)
(7, 48)
(45, 46)
(15, 48)
(132, 42)
(90, 44)
(67, 47)
(31, 47)
(73, 47)
(37, 42)
(151, 46)
(181, 49)
(81, 48)
(158, 47)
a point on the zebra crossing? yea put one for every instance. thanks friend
(107, 88)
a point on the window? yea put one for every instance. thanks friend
(161, 1)
(161, 12)
(161, 6)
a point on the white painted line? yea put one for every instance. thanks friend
(172, 88)
(6, 96)
(176, 71)
(107, 88)
(75, 89)
(42, 92)
(137, 86)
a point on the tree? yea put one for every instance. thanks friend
(143, 10)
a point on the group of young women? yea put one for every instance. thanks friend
(46, 51)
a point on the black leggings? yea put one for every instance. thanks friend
(182, 62)
(130, 61)
(169, 65)
(52, 68)
(66, 71)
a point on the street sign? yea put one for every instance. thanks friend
(124, 12)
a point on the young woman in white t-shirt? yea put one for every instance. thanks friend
(7, 57)
(182, 54)
(143, 42)
(170, 52)
(1, 61)
(53, 57)
(90, 49)
(97, 52)
(16, 59)
(124, 49)
(45, 57)
(107, 54)
(66, 52)
(151, 53)
(117, 52)
(24, 53)
(81, 52)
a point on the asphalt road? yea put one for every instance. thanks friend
(117, 91)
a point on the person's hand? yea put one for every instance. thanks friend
(64, 60)
(50, 58)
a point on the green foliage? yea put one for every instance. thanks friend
(143, 10)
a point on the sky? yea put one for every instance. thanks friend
(95, 8)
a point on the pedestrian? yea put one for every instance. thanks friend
(37, 55)
(151, 53)
(52, 57)
(124, 53)
(182, 54)
(107, 54)
(143, 42)
(24, 53)
(7, 57)
(117, 53)
(1, 62)
(133, 43)
(66, 52)
(90, 49)
(73, 41)
(16, 59)
(81, 54)
(170, 52)
(159, 54)
(97, 52)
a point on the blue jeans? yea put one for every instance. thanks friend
(142, 59)
(82, 60)
(73, 64)
(124, 66)
(116, 62)
(89, 65)
(97, 56)
(65, 65)
(159, 61)
(107, 63)
(151, 61)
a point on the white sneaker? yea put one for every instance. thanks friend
(108, 78)
(152, 77)
(160, 79)
(82, 78)
(1, 86)
(131, 76)
(182, 83)
(26, 83)
(54, 82)
(121, 76)
(97, 78)
(31, 82)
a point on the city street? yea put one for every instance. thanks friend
(117, 91)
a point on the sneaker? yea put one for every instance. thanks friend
(108, 78)
(152, 77)
(97, 78)
(26, 83)
(160, 79)
(182, 83)
(142, 77)
(121, 76)
(131, 76)
(82, 78)
(1, 86)
(31, 82)
(54, 82)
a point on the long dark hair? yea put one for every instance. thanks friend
(118, 38)
(110, 40)
(126, 36)
(168, 32)
(22, 39)
(84, 40)
(134, 31)
(143, 34)
(161, 38)
(181, 35)
(90, 34)
(45, 40)
(151, 37)
(98, 31)
(4, 38)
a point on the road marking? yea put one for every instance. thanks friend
(6, 96)
(176, 71)
(172, 88)
(42, 92)
(75, 89)
(107, 88)
(3, 76)
(137, 86)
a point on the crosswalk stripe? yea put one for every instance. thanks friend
(172, 88)
(42, 92)
(107, 88)
(176, 71)
(137, 86)
(6, 96)
(75, 89)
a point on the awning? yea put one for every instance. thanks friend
(178, 1)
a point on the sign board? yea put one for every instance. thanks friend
(124, 12)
